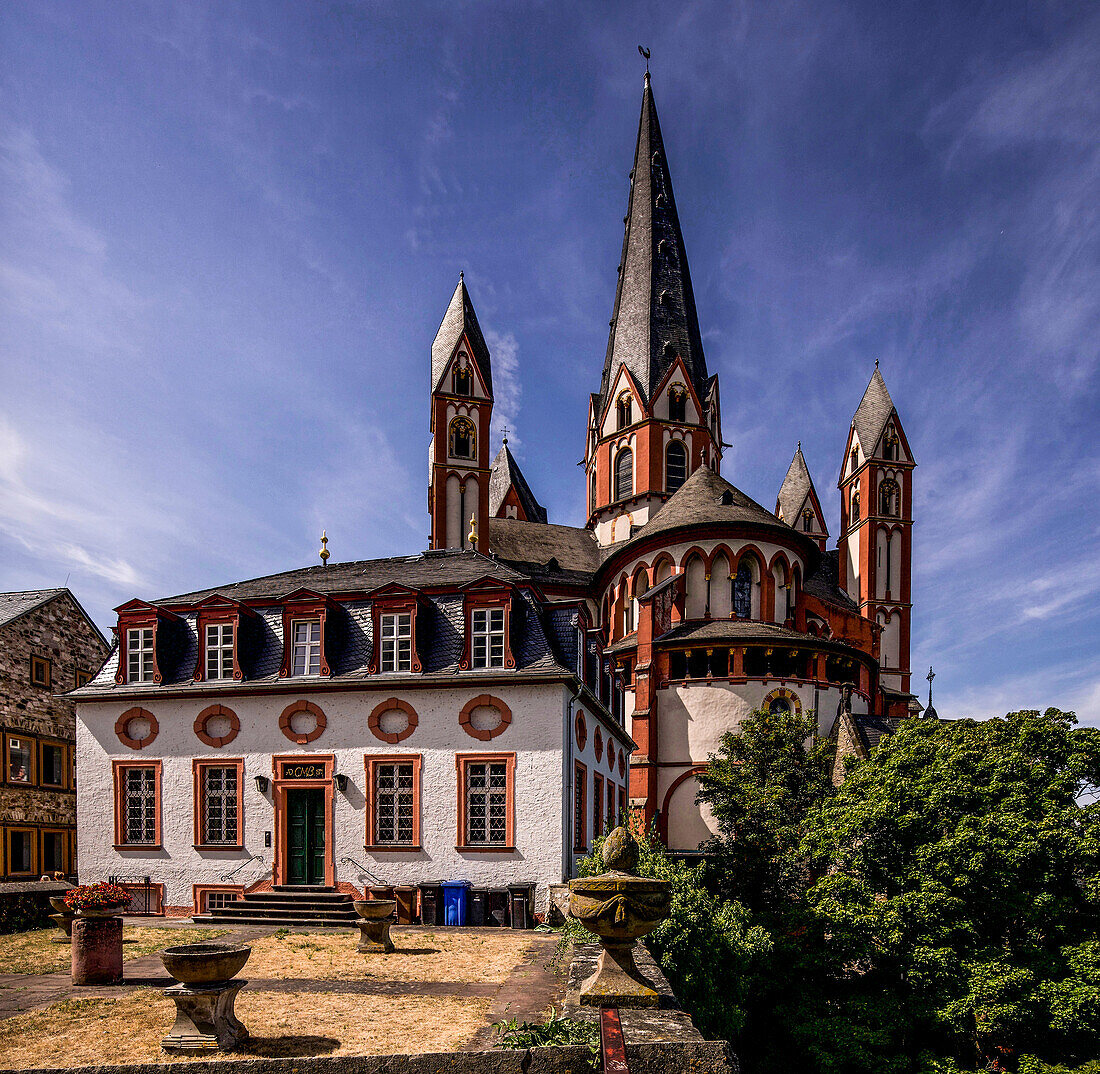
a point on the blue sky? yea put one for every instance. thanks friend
(228, 232)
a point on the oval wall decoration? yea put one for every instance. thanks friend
(622, 763)
(580, 730)
(302, 722)
(136, 728)
(392, 721)
(597, 744)
(217, 725)
(485, 717)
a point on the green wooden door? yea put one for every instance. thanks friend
(305, 836)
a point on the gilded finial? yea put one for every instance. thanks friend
(472, 535)
(325, 553)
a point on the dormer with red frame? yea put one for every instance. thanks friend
(309, 634)
(488, 606)
(143, 642)
(215, 614)
(397, 613)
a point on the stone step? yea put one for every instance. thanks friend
(246, 910)
(277, 922)
(336, 898)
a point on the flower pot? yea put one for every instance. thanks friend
(101, 911)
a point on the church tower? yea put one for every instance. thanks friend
(797, 503)
(655, 419)
(876, 527)
(461, 415)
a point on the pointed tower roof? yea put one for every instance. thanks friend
(506, 474)
(797, 485)
(460, 320)
(873, 412)
(654, 318)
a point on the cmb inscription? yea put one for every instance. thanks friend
(303, 771)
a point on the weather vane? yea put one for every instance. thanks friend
(505, 434)
(645, 53)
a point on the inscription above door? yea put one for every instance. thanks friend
(298, 770)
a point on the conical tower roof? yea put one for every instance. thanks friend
(654, 319)
(796, 486)
(873, 412)
(460, 320)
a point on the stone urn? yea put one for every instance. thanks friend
(619, 907)
(204, 998)
(63, 918)
(375, 917)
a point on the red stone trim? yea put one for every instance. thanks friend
(123, 722)
(580, 730)
(220, 610)
(278, 798)
(374, 721)
(370, 762)
(199, 806)
(300, 605)
(207, 714)
(597, 805)
(118, 769)
(158, 897)
(393, 603)
(597, 744)
(622, 763)
(199, 890)
(466, 715)
(302, 706)
(496, 595)
(461, 761)
(789, 695)
(580, 786)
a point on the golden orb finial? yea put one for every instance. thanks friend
(472, 535)
(325, 553)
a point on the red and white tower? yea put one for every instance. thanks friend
(876, 527)
(461, 415)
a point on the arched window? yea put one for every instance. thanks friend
(742, 591)
(624, 474)
(807, 521)
(625, 410)
(462, 380)
(855, 458)
(677, 404)
(855, 506)
(888, 498)
(779, 706)
(463, 438)
(592, 491)
(890, 446)
(676, 465)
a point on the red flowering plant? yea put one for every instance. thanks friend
(101, 896)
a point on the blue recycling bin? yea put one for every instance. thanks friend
(454, 901)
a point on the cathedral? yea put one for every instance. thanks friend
(485, 708)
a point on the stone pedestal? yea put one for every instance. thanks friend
(375, 936)
(64, 923)
(617, 981)
(205, 1020)
(97, 950)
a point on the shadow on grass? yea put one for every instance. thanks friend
(415, 951)
(293, 1044)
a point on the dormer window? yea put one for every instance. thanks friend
(305, 657)
(462, 380)
(625, 409)
(487, 638)
(219, 651)
(396, 648)
(139, 649)
(463, 438)
(677, 405)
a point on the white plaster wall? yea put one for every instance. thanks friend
(587, 757)
(535, 735)
(689, 823)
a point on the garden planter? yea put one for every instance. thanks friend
(63, 918)
(97, 950)
(204, 998)
(374, 924)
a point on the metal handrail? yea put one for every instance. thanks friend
(233, 872)
(364, 871)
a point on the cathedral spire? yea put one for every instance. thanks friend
(654, 318)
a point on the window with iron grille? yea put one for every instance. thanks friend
(219, 651)
(139, 806)
(580, 819)
(393, 804)
(139, 650)
(219, 805)
(597, 806)
(397, 642)
(487, 650)
(487, 803)
(306, 647)
(611, 818)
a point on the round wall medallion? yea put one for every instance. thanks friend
(485, 717)
(580, 729)
(392, 721)
(302, 722)
(217, 725)
(136, 728)
(622, 763)
(597, 744)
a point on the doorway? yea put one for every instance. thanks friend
(305, 835)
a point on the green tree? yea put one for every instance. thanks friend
(957, 903)
(761, 785)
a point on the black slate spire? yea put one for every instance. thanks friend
(654, 319)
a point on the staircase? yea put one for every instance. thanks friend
(300, 905)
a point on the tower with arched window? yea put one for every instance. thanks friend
(461, 416)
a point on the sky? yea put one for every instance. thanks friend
(229, 231)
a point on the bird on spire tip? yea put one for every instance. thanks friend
(645, 53)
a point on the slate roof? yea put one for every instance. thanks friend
(526, 545)
(458, 320)
(654, 317)
(874, 728)
(13, 605)
(506, 474)
(797, 485)
(825, 581)
(873, 412)
(742, 630)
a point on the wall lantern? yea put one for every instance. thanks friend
(262, 783)
(341, 782)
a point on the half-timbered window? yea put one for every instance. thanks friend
(306, 647)
(394, 804)
(487, 641)
(139, 649)
(219, 651)
(396, 649)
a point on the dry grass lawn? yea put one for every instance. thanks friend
(129, 1029)
(423, 954)
(35, 951)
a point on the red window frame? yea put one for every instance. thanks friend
(305, 604)
(132, 616)
(580, 807)
(371, 761)
(394, 600)
(118, 773)
(462, 761)
(220, 610)
(199, 804)
(489, 594)
(597, 805)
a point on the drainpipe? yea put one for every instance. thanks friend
(568, 777)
